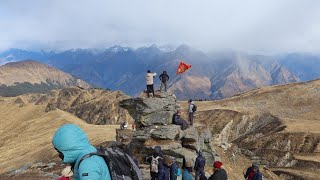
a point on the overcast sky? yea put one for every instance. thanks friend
(246, 25)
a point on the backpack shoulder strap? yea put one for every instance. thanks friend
(89, 155)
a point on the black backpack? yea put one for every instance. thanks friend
(121, 165)
(194, 108)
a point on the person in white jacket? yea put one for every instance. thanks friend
(149, 80)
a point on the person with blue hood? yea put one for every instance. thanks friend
(72, 144)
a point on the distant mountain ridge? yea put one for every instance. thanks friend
(31, 76)
(212, 76)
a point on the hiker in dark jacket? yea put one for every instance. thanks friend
(164, 78)
(219, 173)
(167, 163)
(253, 173)
(158, 171)
(187, 171)
(199, 165)
(179, 121)
(203, 177)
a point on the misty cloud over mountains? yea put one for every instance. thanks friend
(249, 25)
(212, 76)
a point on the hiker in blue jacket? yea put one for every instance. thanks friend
(199, 165)
(72, 144)
(175, 171)
(186, 175)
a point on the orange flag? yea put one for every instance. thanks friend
(183, 67)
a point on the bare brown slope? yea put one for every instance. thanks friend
(296, 101)
(95, 106)
(36, 73)
(275, 126)
(26, 133)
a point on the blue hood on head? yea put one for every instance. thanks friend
(71, 141)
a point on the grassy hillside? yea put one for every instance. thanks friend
(277, 126)
(26, 133)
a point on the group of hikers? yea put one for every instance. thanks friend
(164, 167)
(177, 119)
(88, 162)
(164, 78)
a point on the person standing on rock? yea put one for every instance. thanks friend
(187, 171)
(149, 81)
(253, 173)
(191, 110)
(219, 173)
(72, 144)
(199, 165)
(164, 78)
(156, 163)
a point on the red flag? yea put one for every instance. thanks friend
(183, 67)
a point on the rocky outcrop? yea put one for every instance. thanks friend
(153, 117)
(169, 132)
(151, 111)
(124, 135)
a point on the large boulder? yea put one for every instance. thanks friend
(192, 145)
(151, 111)
(158, 118)
(165, 145)
(169, 132)
(142, 134)
(182, 152)
(190, 135)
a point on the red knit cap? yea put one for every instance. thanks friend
(217, 164)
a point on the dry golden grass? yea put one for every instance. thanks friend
(26, 133)
(301, 125)
(315, 157)
(306, 174)
(35, 72)
(297, 104)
